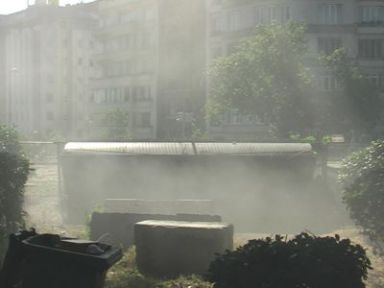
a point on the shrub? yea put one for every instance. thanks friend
(362, 177)
(304, 261)
(14, 169)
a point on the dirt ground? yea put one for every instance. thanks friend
(42, 205)
(43, 213)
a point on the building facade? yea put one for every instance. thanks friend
(2, 74)
(79, 71)
(149, 67)
(181, 75)
(46, 69)
(127, 63)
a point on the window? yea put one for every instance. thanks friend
(372, 15)
(280, 14)
(234, 21)
(50, 116)
(376, 80)
(328, 45)
(239, 20)
(218, 23)
(150, 14)
(50, 78)
(216, 52)
(134, 93)
(257, 15)
(142, 119)
(330, 14)
(127, 94)
(49, 97)
(216, 2)
(269, 14)
(329, 83)
(145, 120)
(371, 48)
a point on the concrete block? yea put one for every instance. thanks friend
(119, 227)
(164, 207)
(194, 206)
(167, 249)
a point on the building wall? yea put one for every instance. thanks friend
(149, 66)
(2, 76)
(181, 74)
(65, 68)
(370, 40)
(126, 59)
(43, 88)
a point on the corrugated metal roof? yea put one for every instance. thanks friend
(252, 148)
(185, 148)
(142, 148)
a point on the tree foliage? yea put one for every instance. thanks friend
(362, 177)
(303, 262)
(113, 126)
(356, 106)
(265, 76)
(14, 169)
(9, 140)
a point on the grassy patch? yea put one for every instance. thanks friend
(125, 275)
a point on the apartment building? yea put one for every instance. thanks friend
(2, 75)
(150, 67)
(126, 59)
(356, 25)
(65, 68)
(46, 69)
(370, 40)
(181, 75)
(68, 69)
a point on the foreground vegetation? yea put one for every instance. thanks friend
(14, 169)
(363, 190)
(303, 261)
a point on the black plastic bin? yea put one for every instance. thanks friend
(51, 261)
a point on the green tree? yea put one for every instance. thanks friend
(266, 76)
(14, 169)
(356, 106)
(116, 125)
(9, 140)
(362, 177)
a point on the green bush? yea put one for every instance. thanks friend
(9, 140)
(14, 169)
(362, 177)
(303, 262)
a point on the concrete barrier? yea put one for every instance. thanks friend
(171, 207)
(118, 228)
(167, 249)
